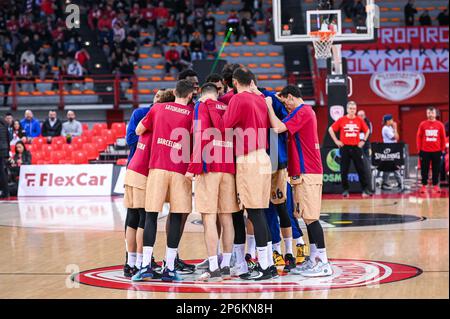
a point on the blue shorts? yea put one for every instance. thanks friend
(273, 221)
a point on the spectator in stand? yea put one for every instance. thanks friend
(161, 13)
(184, 28)
(196, 47)
(9, 119)
(390, 135)
(126, 70)
(443, 18)
(350, 145)
(425, 19)
(431, 145)
(214, 4)
(25, 74)
(118, 32)
(130, 48)
(410, 11)
(21, 157)
(209, 24)
(75, 75)
(359, 14)
(248, 26)
(31, 126)
(52, 126)
(348, 7)
(18, 133)
(71, 127)
(209, 46)
(186, 57)
(180, 6)
(172, 57)
(42, 64)
(104, 27)
(147, 17)
(217, 80)
(93, 16)
(6, 76)
(4, 155)
(83, 57)
(233, 25)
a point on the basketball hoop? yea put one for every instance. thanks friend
(322, 41)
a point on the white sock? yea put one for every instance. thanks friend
(277, 247)
(131, 259)
(322, 254)
(313, 250)
(263, 262)
(213, 263)
(251, 245)
(300, 240)
(171, 254)
(226, 257)
(147, 256)
(269, 253)
(126, 246)
(288, 245)
(139, 260)
(240, 253)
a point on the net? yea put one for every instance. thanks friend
(322, 41)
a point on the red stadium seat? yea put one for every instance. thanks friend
(46, 149)
(78, 142)
(109, 136)
(39, 140)
(85, 127)
(69, 149)
(101, 143)
(80, 157)
(91, 151)
(66, 161)
(58, 142)
(98, 127)
(120, 129)
(122, 161)
(56, 156)
(88, 135)
(36, 156)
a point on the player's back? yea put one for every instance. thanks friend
(171, 142)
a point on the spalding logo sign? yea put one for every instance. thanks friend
(397, 86)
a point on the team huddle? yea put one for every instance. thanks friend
(252, 158)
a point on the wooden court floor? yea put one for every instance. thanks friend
(45, 240)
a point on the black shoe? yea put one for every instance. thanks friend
(225, 272)
(386, 187)
(155, 266)
(251, 263)
(263, 274)
(345, 193)
(274, 271)
(246, 276)
(128, 271)
(290, 261)
(182, 268)
(366, 193)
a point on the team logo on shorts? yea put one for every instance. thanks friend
(397, 86)
(347, 273)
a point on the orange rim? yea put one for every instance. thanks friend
(322, 34)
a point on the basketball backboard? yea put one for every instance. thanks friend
(293, 20)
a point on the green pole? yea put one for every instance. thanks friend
(221, 49)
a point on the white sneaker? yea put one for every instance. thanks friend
(203, 265)
(319, 270)
(306, 265)
(239, 269)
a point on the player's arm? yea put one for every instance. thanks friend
(366, 131)
(146, 123)
(442, 138)
(200, 121)
(277, 125)
(419, 138)
(331, 131)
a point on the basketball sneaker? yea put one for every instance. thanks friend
(213, 276)
(274, 271)
(262, 274)
(423, 189)
(225, 272)
(302, 253)
(155, 266)
(203, 265)
(251, 263)
(290, 263)
(146, 273)
(129, 271)
(319, 270)
(345, 194)
(278, 258)
(366, 193)
(239, 269)
(436, 189)
(183, 268)
(170, 275)
(307, 264)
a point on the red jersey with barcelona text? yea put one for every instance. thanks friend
(170, 125)
(303, 142)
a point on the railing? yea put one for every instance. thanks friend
(107, 87)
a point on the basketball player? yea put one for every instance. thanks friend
(246, 114)
(227, 74)
(135, 179)
(215, 186)
(169, 160)
(306, 173)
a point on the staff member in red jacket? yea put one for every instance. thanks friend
(430, 144)
(349, 127)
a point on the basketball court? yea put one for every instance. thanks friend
(391, 245)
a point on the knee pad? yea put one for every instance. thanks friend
(132, 220)
(142, 214)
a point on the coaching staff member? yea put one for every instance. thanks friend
(349, 127)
